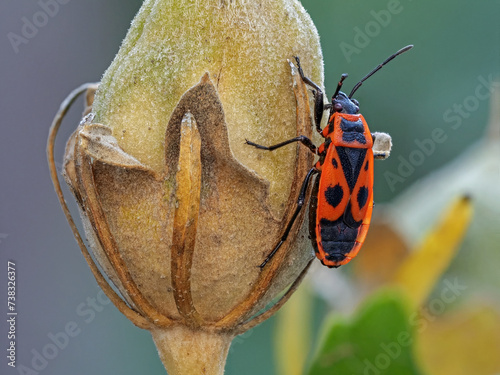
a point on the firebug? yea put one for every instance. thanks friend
(342, 197)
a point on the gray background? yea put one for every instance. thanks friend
(456, 42)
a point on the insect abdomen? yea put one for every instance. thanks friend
(337, 240)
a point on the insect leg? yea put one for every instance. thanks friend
(301, 138)
(300, 204)
(319, 105)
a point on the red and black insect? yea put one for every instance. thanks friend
(342, 197)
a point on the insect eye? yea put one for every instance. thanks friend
(337, 107)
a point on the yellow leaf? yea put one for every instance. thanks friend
(423, 267)
(383, 253)
(292, 339)
(462, 343)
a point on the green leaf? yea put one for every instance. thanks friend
(378, 340)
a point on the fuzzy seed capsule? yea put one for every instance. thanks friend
(178, 210)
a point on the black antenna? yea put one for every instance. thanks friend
(358, 85)
(339, 86)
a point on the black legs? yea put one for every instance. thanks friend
(300, 204)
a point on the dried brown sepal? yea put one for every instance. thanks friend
(130, 313)
(188, 190)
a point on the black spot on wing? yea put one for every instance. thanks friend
(352, 160)
(354, 156)
(366, 165)
(330, 127)
(335, 163)
(348, 219)
(334, 195)
(327, 143)
(362, 196)
(323, 149)
(346, 164)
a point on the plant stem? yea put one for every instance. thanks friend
(184, 351)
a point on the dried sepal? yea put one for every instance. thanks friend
(122, 306)
(186, 214)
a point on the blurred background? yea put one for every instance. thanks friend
(436, 102)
